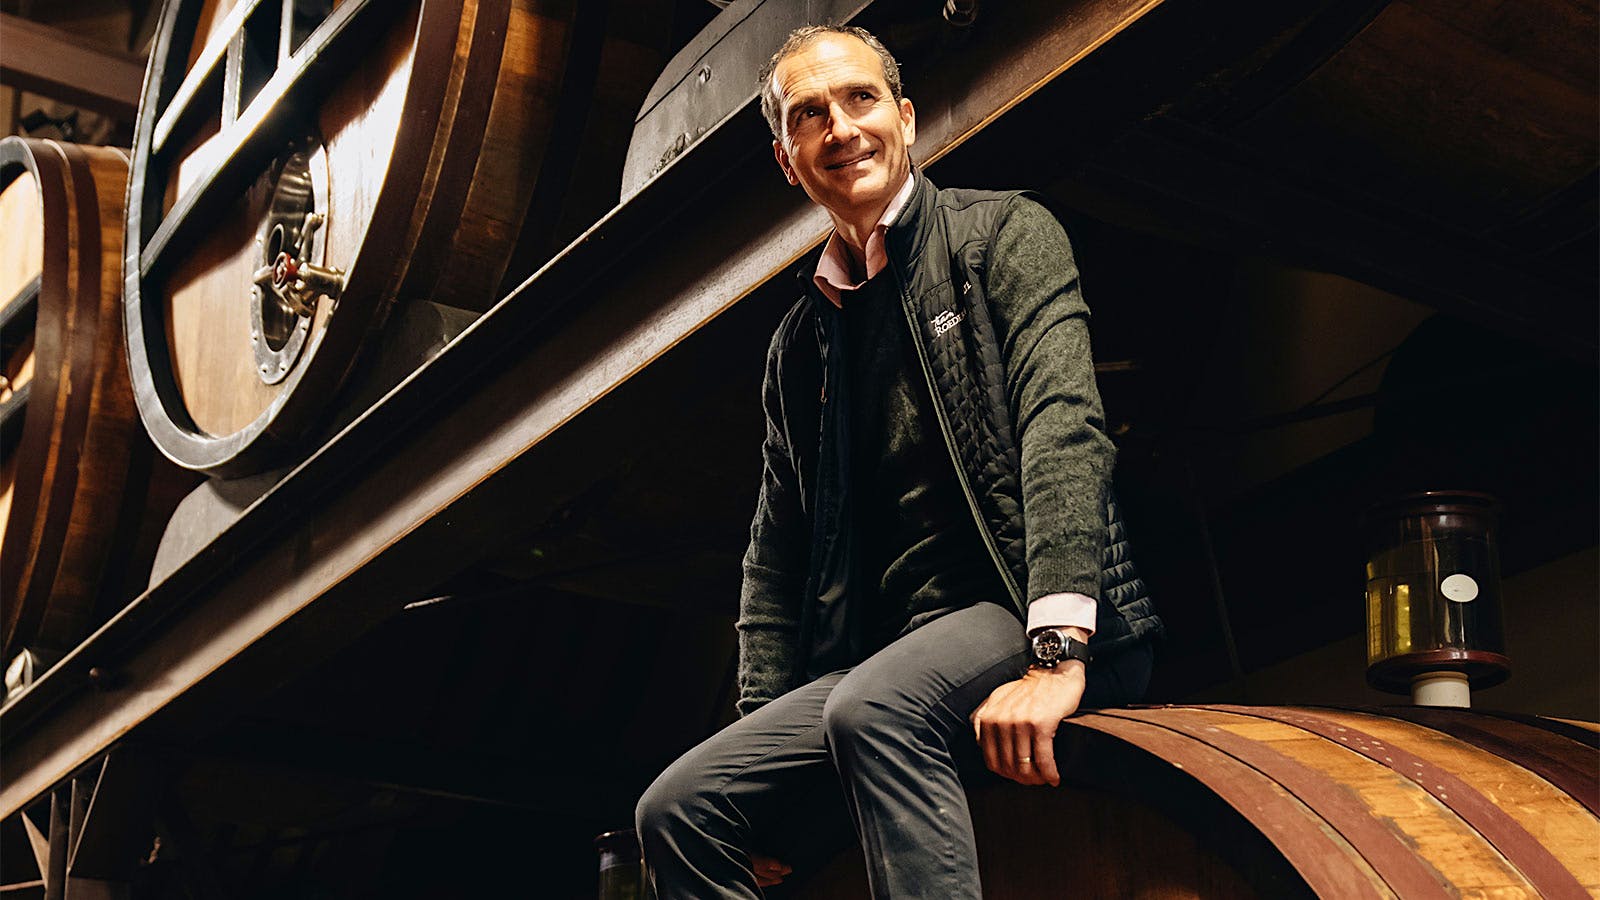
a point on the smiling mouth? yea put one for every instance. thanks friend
(853, 160)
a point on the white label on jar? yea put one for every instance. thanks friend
(1459, 587)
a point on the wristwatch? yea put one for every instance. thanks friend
(1054, 645)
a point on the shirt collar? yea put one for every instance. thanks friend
(833, 269)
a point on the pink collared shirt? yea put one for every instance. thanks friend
(833, 279)
(833, 269)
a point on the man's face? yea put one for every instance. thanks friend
(844, 136)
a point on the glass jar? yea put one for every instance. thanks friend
(1433, 590)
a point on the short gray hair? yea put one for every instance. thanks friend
(803, 37)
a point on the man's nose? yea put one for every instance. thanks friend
(841, 124)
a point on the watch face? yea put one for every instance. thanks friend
(1047, 646)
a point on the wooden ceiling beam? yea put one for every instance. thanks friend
(62, 66)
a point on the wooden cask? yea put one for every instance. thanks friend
(1234, 801)
(306, 172)
(83, 496)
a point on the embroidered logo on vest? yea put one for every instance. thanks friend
(946, 320)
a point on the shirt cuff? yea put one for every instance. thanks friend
(1062, 611)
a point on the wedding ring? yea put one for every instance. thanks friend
(1026, 760)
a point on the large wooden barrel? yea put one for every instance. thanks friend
(1234, 801)
(82, 498)
(304, 172)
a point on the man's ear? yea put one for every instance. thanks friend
(908, 121)
(782, 156)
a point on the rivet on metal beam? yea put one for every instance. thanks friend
(961, 13)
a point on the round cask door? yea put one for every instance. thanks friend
(299, 166)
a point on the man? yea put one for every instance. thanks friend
(936, 473)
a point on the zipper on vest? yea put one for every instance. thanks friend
(955, 457)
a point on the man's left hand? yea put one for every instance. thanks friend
(1016, 726)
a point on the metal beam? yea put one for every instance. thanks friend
(59, 65)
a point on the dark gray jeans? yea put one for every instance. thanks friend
(881, 746)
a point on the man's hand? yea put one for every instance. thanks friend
(769, 871)
(1016, 726)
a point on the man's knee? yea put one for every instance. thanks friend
(666, 806)
(854, 714)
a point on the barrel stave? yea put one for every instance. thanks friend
(1557, 821)
(513, 143)
(108, 430)
(1456, 852)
